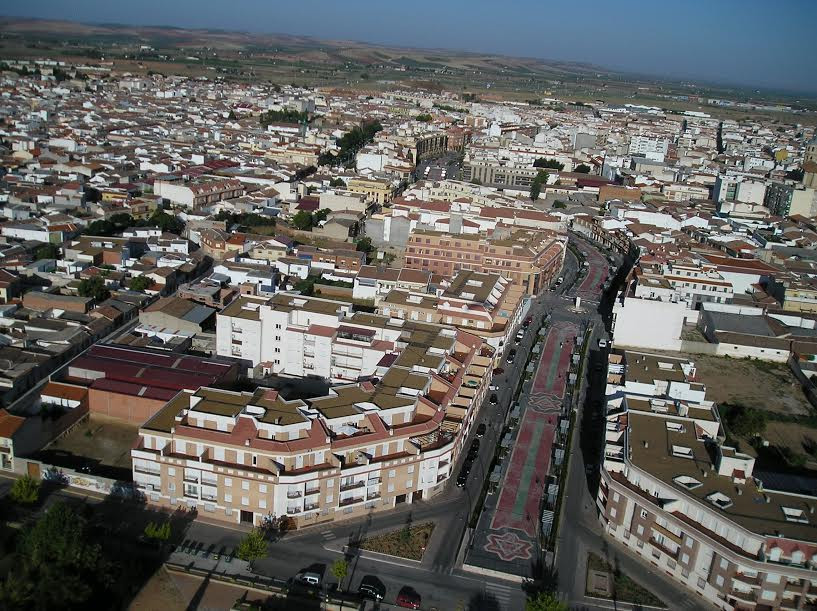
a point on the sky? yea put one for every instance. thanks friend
(749, 42)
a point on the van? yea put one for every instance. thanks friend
(310, 579)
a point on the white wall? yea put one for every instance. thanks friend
(642, 323)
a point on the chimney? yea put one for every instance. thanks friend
(646, 444)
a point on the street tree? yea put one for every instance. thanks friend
(544, 601)
(302, 220)
(93, 287)
(340, 569)
(25, 490)
(253, 546)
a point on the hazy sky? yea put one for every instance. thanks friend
(754, 42)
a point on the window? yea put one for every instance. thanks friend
(719, 581)
(262, 488)
(171, 471)
(409, 483)
(616, 497)
(644, 513)
(245, 485)
(411, 469)
(613, 512)
(392, 473)
(329, 498)
(228, 498)
(330, 483)
(262, 504)
(795, 515)
(685, 558)
(228, 482)
(640, 530)
(690, 483)
(768, 595)
(391, 488)
(724, 563)
(245, 500)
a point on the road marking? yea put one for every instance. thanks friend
(328, 534)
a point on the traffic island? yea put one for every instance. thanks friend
(604, 581)
(409, 542)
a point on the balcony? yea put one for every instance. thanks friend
(443, 463)
(209, 497)
(293, 510)
(146, 471)
(746, 579)
(373, 481)
(352, 500)
(193, 479)
(663, 548)
(311, 491)
(311, 507)
(294, 494)
(352, 485)
(372, 496)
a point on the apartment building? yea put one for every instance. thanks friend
(240, 457)
(498, 173)
(487, 305)
(375, 190)
(196, 194)
(696, 509)
(785, 199)
(530, 259)
(375, 283)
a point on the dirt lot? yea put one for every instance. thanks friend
(102, 439)
(758, 384)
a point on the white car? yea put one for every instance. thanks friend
(602, 343)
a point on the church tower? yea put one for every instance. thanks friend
(810, 164)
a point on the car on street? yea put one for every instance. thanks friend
(602, 343)
(481, 430)
(511, 356)
(371, 587)
(474, 448)
(309, 578)
(520, 335)
(527, 322)
(499, 371)
(408, 598)
(462, 478)
(493, 399)
(559, 280)
(493, 387)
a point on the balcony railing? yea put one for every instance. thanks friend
(293, 510)
(372, 496)
(147, 471)
(373, 481)
(310, 491)
(209, 497)
(352, 485)
(193, 479)
(350, 501)
(311, 506)
(293, 494)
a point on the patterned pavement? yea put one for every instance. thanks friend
(507, 534)
(591, 285)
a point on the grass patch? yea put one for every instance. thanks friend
(624, 588)
(408, 542)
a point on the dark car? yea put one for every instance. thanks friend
(474, 449)
(371, 587)
(528, 321)
(408, 598)
(493, 399)
(481, 430)
(462, 478)
(511, 356)
(499, 371)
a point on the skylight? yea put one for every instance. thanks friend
(720, 500)
(795, 515)
(690, 483)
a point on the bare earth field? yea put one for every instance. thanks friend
(101, 439)
(765, 386)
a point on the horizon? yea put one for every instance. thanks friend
(776, 66)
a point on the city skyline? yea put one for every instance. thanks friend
(700, 52)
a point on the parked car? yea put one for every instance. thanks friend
(520, 335)
(527, 322)
(309, 578)
(602, 343)
(493, 387)
(462, 478)
(474, 449)
(408, 598)
(493, 399)
(499, 371)
(481, 430)
(371, 587)
(511, 356)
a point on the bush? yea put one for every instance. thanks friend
(253, 546)
(25, 490)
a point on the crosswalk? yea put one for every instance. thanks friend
(327, 535)
(503, 594)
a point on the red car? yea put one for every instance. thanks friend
(528, 321)
(499, 371)
(408, 598)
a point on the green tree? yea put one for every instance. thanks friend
(551, 164)
(47, 251)
(320, 215)
(253, 546)
(424, 117)
(544, 601)
(94, 287)
(158, 532)
(57, 566)
(101, 227)
(582, 168)
(340, 569)
(283, 116)
(559, 204)
(747, 422)
(302, 220)
(337, 183)
(536, 185)
(169, 223)
(365, 245)
(140, 283)
(25, 490)
(231, 116)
